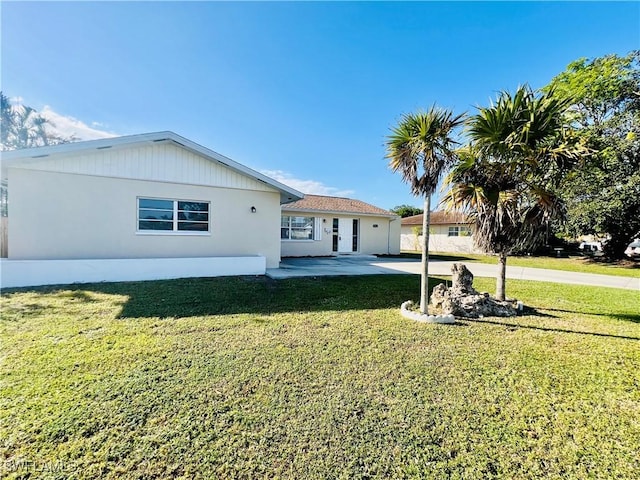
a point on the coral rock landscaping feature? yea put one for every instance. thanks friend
(462, 300)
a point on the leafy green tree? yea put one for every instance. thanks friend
(406, 210)
(506, 177)
(603, 193)
(421, 147)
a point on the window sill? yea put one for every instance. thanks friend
(297, 241)
(174, 234)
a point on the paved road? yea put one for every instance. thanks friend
(371, 265)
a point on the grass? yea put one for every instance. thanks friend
(315, 378)
(627, 268)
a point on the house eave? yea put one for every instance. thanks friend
(15, 158)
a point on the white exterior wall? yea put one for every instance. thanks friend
(380, 240)
(69, 216)
(439, 240)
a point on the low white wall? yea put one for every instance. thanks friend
(29, 273)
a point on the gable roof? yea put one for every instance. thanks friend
(326, 204)
(437, 218)
(27, 155)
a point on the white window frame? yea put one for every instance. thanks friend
(175, 230)
(315, 233)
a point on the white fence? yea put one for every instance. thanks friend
(28, 273)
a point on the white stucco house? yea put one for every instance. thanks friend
(450, 232)
(158, 205)
(137, 207)
(319, 225)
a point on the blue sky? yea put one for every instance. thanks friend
(304, 91)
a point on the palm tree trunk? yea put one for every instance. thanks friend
(424, 277)
(501, 278)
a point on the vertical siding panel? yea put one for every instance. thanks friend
(122, 165)
(155, 161)
(135, 164)
(89, 163)
(149, 162)
(132, 161)
(96, 163)
(161, 165)
(166, 152)
(212, 171)
(139, 166)
(203, 170)
(180, 165)
(145, 168)
(157, 152)
(199, 161)
(187, 166)
(215, 174)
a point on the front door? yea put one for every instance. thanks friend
(347, 235)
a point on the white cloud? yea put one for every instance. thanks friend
(311, 187)
(66, 126)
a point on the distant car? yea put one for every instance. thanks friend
(593, 249)
(633, 250)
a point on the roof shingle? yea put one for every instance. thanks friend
(321, 203)
(438, 218)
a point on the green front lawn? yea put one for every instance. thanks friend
(625, 268)
(315, 378)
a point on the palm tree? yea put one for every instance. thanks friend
(421, 148)
(507, 176)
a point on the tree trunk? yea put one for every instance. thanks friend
(424, 277)
(501, 278)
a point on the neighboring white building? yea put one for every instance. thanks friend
(166, 205)
(322, 226)
(449, 232)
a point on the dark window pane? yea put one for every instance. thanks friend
(193, 226)
(194, 216)
(154, 225)
(155, 214)
(354, 242)
(193, 206)
(154, 203)
(284, 233)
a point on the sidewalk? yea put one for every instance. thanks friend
(371, 265)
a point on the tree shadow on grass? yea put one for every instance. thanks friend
(628, 317)
(261, 295)
(251, 295)
(515, 326)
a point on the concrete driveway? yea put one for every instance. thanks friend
(372, 265)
